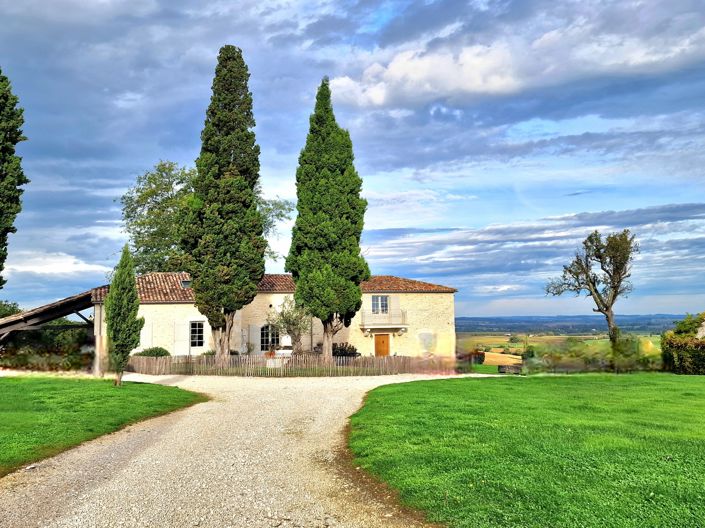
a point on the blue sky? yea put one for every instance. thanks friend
(491, 136)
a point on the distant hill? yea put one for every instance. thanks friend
(565, 324)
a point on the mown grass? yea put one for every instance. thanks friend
(465, 368)
(42, 416)
(593, 450)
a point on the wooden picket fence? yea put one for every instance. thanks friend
(295, 366)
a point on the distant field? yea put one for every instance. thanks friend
(493, 358)
(497, 343)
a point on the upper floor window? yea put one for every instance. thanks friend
(380, 304)
(196, 333)
(269, 338)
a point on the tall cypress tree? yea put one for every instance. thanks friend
(11, 175)
(121, 306)
(222, 234)
(324, 258)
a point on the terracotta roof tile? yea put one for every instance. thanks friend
(167, 287)
(276, 283)
(390, 283)
(155, 288)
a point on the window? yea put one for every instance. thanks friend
(380, 304)
(185, 284)
(269, 338)
(196, 333)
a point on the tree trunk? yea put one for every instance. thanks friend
(118, 379)
(221, 340)
(297, 345)
(328, 340)
(613, 329)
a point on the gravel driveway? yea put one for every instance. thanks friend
(261, 453)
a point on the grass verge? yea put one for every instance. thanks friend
(564, 451)
(42, 416)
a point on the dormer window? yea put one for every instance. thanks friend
(185, 284)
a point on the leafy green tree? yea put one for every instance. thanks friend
(121, 306)
(600, 269)
(155, 207)
(8, 308)
(11, 175)
(324, 258)
(292, 320)
(690, 325)
(151, 211)
(223, 232)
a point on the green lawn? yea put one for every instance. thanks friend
(594, 450)
(41, 416)
(485, 369)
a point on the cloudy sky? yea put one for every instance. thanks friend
(492, 136)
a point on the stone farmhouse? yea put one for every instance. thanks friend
(398, 317)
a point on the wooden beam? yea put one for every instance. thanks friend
(53, 327)
(84, 318)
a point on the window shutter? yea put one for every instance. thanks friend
(394, 304)
(146, 336)
(181, 338)
(254, 339)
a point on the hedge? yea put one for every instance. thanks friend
(683, 354)
(154, 352)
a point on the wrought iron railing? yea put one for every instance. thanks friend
(391, 318)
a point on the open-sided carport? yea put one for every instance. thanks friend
(37, 317)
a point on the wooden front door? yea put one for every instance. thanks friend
(381, 344)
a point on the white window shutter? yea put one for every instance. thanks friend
(255, 338)
(181, 338)
(394, 304)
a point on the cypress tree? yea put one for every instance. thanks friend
(324, 258)
(222, 235)
(121, 305)
(11, 175)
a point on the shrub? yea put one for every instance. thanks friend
(30, 358)
(210, 352)
(529, 352)
(52, 347)
(627, 356)
(683, 354)
(465, 360)
(345, 350)
(154, 352)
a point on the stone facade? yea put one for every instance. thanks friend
(420, 323)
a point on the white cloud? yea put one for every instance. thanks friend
(128, 100)
(516, 60)
(43, 263)
(492, 289)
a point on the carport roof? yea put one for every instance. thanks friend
(47, 313)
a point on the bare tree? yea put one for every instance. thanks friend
(601, 270)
